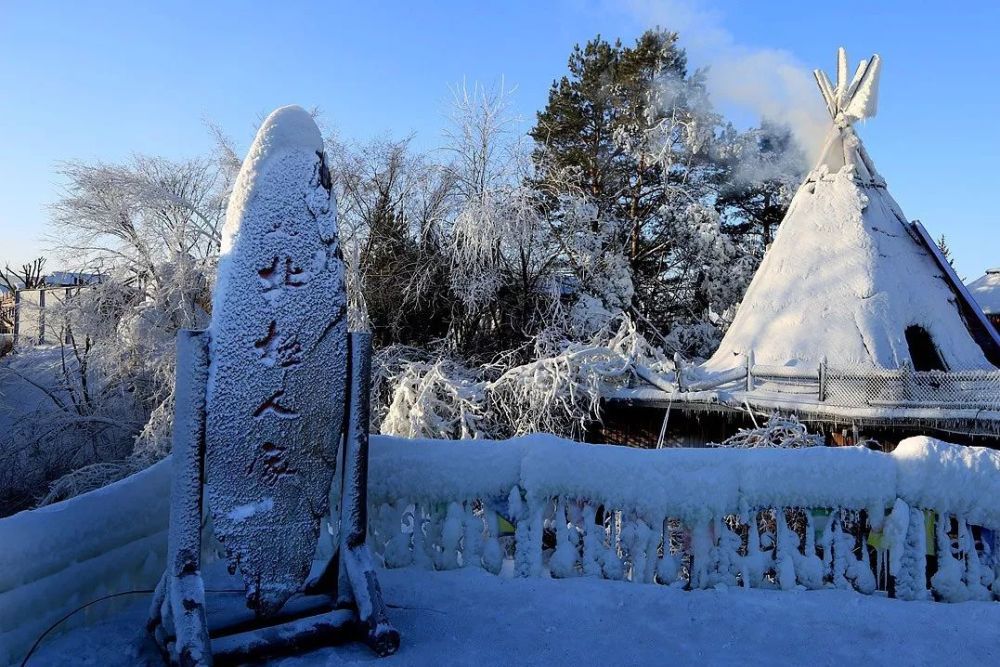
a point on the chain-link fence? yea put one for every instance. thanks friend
(784, 380)
(869, 387)
(974, 390)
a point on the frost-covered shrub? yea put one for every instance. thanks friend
(439, 399)
(107, 386)
(695, 339)
(779, 431)
(557, 392)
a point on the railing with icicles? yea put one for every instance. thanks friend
(816, 518)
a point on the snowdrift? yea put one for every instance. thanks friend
(61, 556)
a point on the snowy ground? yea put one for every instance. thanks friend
(469, 617)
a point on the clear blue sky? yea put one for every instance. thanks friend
(101, 80)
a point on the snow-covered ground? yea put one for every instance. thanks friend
(469, 617)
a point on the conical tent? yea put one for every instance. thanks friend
(848, 279)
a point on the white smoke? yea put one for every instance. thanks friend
(768, 82)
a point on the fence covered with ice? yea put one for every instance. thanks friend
(696, 518)
(542, 506)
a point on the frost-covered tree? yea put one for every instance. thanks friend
(762, 170)
(634, 131)
(393, 205)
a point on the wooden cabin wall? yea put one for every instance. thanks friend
(639, 426)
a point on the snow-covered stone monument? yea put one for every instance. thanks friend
(264, 400)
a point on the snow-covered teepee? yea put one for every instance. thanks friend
(848, 279)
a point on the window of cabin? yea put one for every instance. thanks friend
(923, 352)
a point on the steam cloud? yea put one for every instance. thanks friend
(769, 82)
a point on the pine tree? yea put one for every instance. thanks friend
(687, 201)
(942, 244)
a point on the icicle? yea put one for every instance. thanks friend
(809, 568)
(421, 557)
(472, 541)
(629, 541)
(564, 560)
(396, 550)
(911, 578)
(593, 542)
(451, 536)
(858, 570)
(701, 553)
(784, 563)
(840, 547)
(947, 581)
(974, 574)
(433, 529)
(522, 534)
(492, 550)
(995, 562)
(753, 562)
(726, 558)
(611, 563)
(638, 550)
(652, 550)
(529, 533)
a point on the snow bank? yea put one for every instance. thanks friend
(69, 553)
(682, 483)
(36, 543)
(951, 479)
(851, 477)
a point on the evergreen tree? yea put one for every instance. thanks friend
(942, 243)
(689, 202)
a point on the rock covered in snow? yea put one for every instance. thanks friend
(278, 360)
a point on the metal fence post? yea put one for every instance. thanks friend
(822, 379)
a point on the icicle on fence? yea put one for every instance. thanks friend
(828, 518)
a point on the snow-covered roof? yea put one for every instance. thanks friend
(986, 291)
(847, 274)
(70, 278)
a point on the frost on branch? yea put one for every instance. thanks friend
(558, 392)
(779, 431)
(436, 399)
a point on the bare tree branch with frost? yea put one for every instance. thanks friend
(780, 431)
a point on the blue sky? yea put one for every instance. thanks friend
(101, 80)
